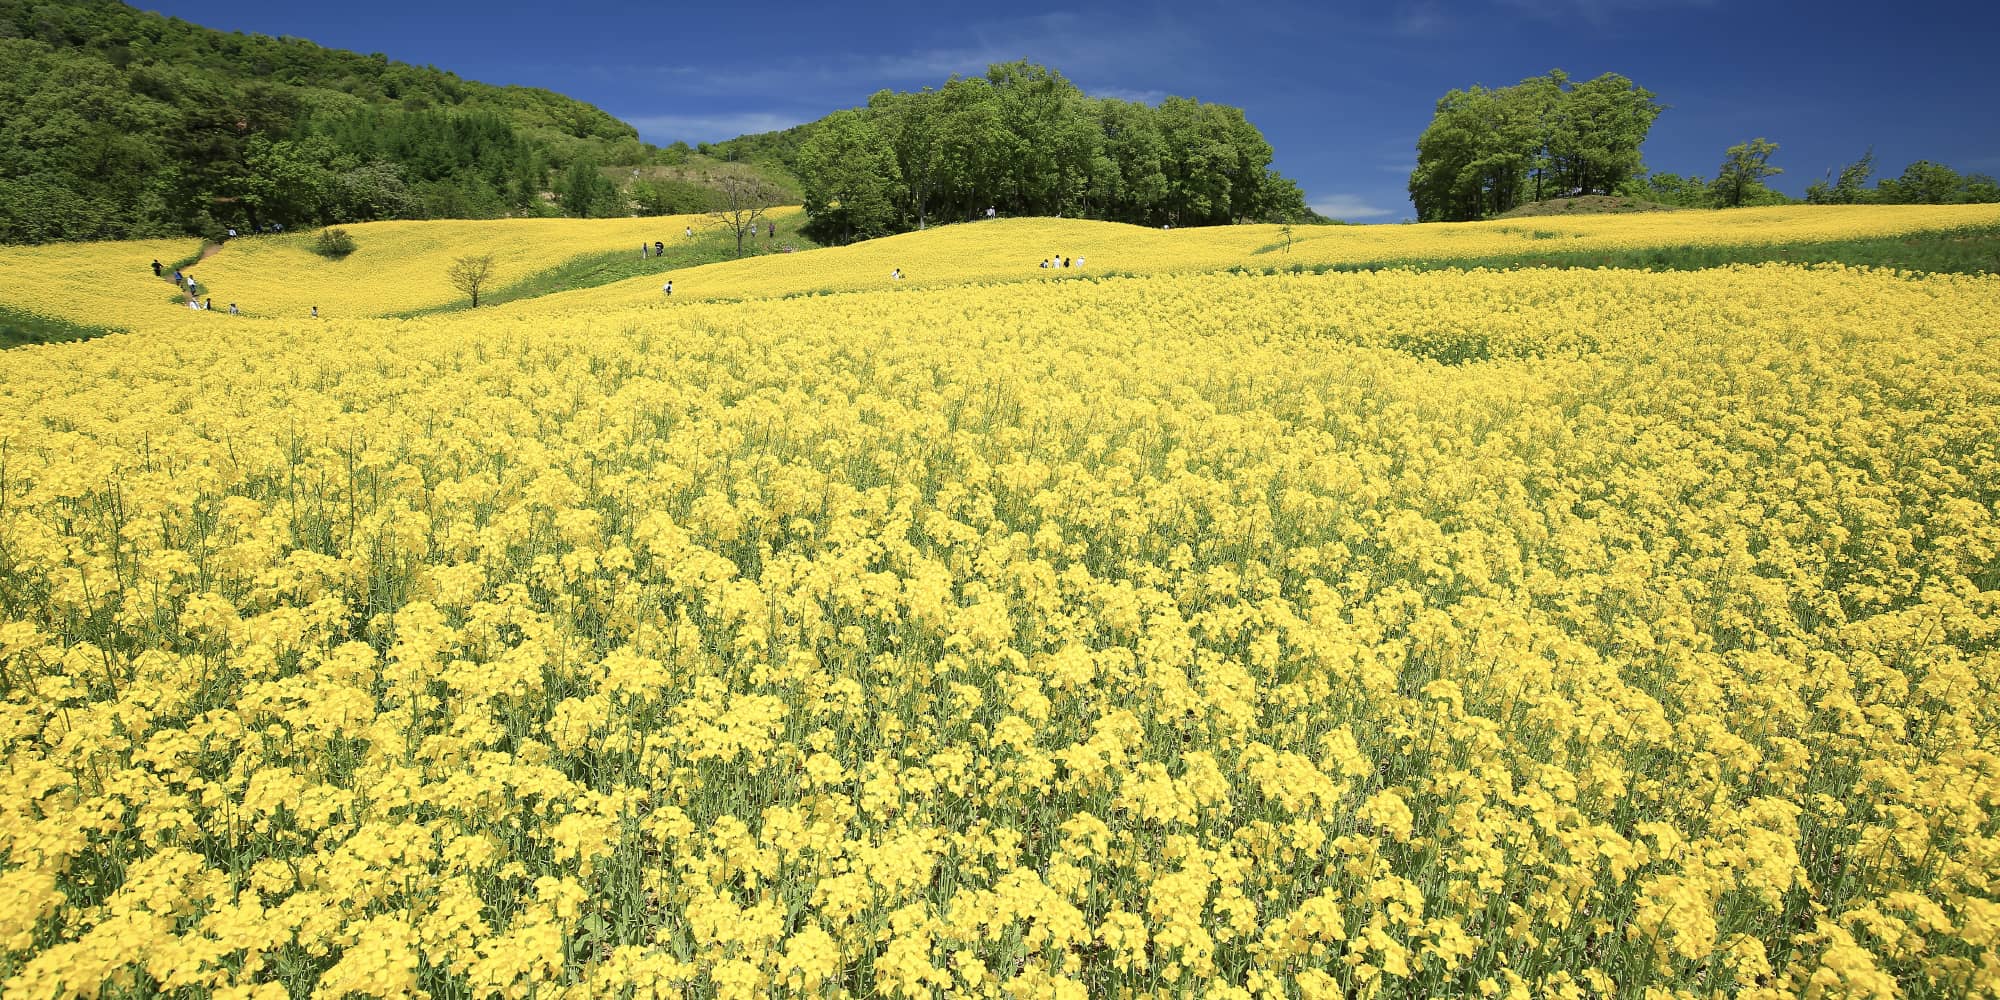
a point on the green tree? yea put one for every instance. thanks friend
(1850, 188)
(1744, 167)
(851, 180)
(586, 193)
(1688, 191)
(1593, 141)
(1923, 183)
(471, 273)
(1487, 150)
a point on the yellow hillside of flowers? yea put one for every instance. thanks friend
(1548, 633)
(107, 282)
(401, 266)
(1012, 249)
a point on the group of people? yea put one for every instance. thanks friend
(186, 284)
(1059, 261)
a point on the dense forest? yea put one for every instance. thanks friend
(120, 123)
(1023, 140)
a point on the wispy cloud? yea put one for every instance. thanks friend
(711, 128)
(1597, 13)
(1350, 207)
(1135, 96)
(1421, 18)
(1146, 52)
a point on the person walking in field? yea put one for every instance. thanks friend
(644, 251)
(232, 310)
(315, 312)
(208, 303)
(667, 289)
(896, 275)
(689, 230)
(659, 249)
(156, 269)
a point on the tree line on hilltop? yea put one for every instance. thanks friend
(1490, 150)
(1023, 140)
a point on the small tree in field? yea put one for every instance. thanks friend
(1744, 167)
(741, 200)
(469, 274)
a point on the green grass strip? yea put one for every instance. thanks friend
(592, 270)
(1957, 251)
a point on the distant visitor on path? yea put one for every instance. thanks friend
(667, 289)
(315, 312)
(645, 250)
(689, 231)
(156, 269)
(773, 232)
(232, 310)
(208, 303)
(989, 211)
(659, 249)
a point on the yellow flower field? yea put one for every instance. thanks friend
(401, 266)
(1009, 250)
(105, 282)
(1548, 633)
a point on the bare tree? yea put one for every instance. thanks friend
(742, 198)
(469, 274)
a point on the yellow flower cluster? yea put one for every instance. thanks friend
(1554, 633)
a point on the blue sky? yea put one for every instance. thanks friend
(1341, 90)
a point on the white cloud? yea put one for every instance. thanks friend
(1135, 96)
(1350, 208)
(712, 128)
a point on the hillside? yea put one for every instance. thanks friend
(586, 266)
(116, 122)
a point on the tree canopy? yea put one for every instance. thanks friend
(1489, 150)
(1921, 183)
(1024, 140)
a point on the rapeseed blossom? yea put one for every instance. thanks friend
(1398, 634)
